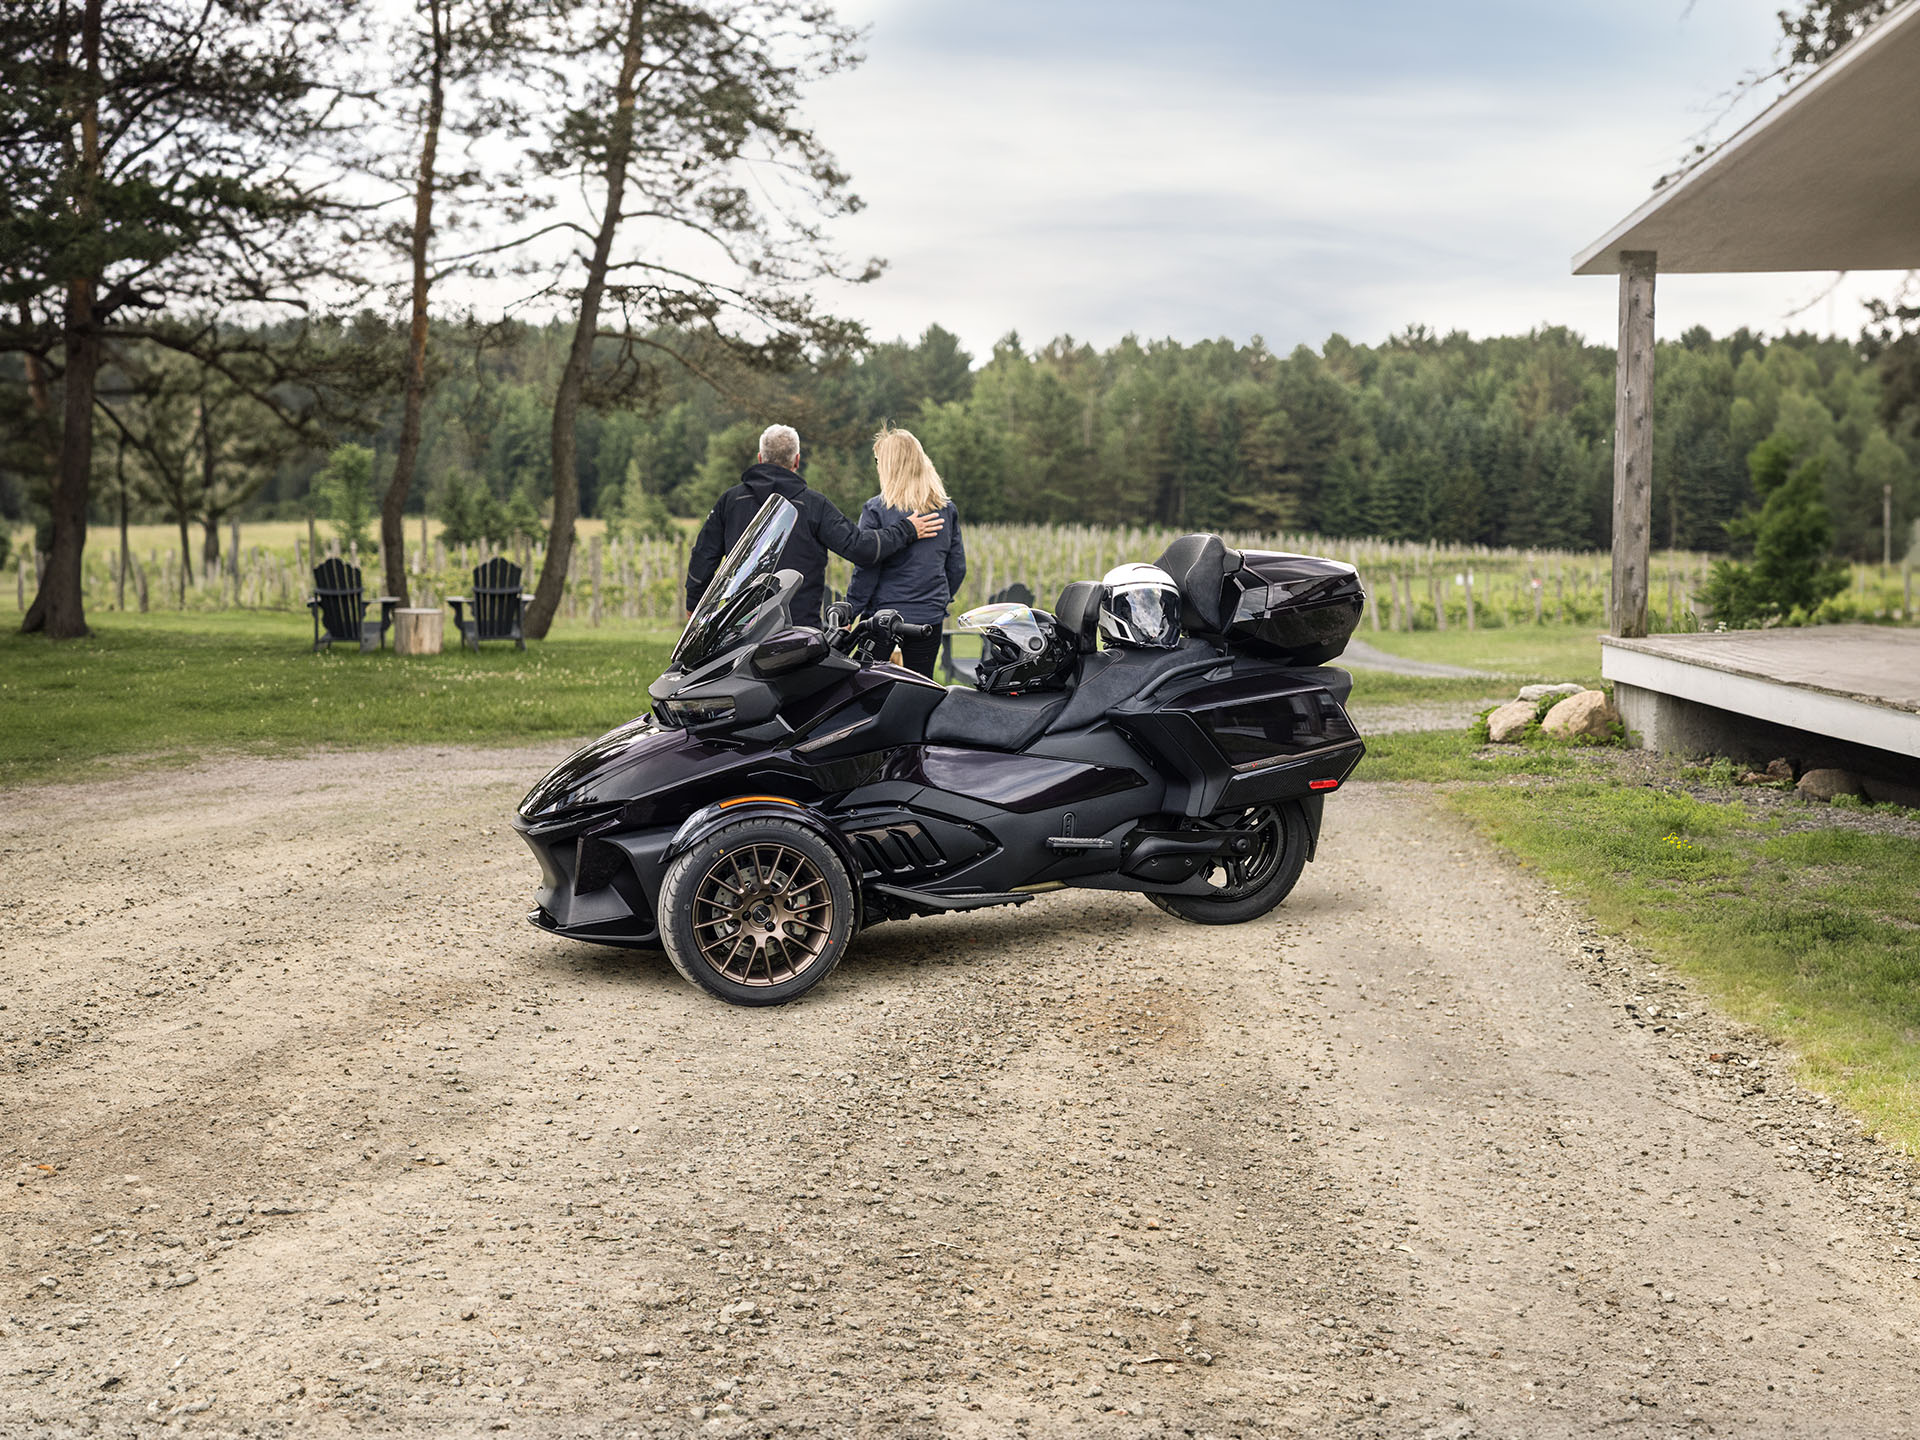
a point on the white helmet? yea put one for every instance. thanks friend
(1141, 608)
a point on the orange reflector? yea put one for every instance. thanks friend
(764, 799)
(1323, 784)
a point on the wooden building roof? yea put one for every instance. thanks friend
(1826, 178)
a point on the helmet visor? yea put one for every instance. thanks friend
(1142, 615)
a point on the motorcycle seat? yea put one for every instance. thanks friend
(991, 722)
(1108, 678)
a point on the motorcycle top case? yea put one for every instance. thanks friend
(1299, 609)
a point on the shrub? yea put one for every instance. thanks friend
(1790, 577)
(344, 490)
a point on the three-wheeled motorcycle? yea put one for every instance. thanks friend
(790, 787)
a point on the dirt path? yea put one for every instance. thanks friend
(335, 1143)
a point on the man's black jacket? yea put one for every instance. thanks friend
(821, 528)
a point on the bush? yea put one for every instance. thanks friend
(637, 511)
(1791, 577)
(344, 490)
(470, 514)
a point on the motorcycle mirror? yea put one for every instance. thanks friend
(788, 650)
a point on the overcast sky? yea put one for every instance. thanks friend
(1282, 168)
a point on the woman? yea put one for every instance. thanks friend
(921, 580)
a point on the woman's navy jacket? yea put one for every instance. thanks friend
(919, 581)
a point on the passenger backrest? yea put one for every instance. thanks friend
(1079, 614)
(1200, 565)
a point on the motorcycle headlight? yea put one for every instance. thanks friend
(696, 712)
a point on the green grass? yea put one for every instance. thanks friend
(1453, 755)
(1812, 936)
(1373, 687)
(1530, 652)
(174, 686)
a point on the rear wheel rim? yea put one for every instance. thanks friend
(1235, 877)
(762, 914)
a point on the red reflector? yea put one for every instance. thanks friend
(1323, 784)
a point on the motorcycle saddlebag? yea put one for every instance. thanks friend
(1299, 609)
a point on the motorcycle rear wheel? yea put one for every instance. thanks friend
(1245, 888)
(758, 913)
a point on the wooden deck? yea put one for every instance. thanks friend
(1854, 683)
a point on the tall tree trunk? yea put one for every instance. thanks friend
(186, 557)
(209, 517)
(393, 544)
(120, 474)
(60, 607)
(566, 401)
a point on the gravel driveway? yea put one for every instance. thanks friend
(310, 1133)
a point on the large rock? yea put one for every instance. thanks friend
(1586, 716)
(1541, 692)
(1825, 784)
(1506, 725)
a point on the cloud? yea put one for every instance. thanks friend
(1276, 169)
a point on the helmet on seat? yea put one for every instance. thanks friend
(1021, 649)
(1141, 608)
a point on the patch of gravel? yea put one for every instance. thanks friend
(310, 1133)
(1398, 719)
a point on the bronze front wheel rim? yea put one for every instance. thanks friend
(762, 914)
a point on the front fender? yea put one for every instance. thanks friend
(700, 825)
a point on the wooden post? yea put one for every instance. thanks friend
(1633, 445)
(594, 568)
(1470, 624)
(1886, 528)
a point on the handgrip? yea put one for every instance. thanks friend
(905, 631)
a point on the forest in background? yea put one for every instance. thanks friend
(1498, 442)
(1503, 441)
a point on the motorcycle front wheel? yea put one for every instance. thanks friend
(1245, 887)
(758, 913)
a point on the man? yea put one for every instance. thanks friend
(821, 528)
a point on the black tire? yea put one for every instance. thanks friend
(1246, 889)
(758, 913)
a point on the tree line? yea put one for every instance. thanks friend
(1503, 441)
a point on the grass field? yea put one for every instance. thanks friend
(171, 686)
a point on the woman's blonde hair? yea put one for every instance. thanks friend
(908, 481)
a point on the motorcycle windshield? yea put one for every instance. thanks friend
(742, 587)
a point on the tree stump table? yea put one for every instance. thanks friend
(418, 632)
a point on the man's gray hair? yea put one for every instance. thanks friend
(780, 445)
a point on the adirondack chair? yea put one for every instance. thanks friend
(962, 669)
(497, 604)
(339, 607)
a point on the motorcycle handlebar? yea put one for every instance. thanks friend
(904, 631)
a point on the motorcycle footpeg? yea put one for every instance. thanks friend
(1080, 842)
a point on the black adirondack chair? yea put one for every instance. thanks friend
(339, 607)
(963, 669)
(498, 606)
